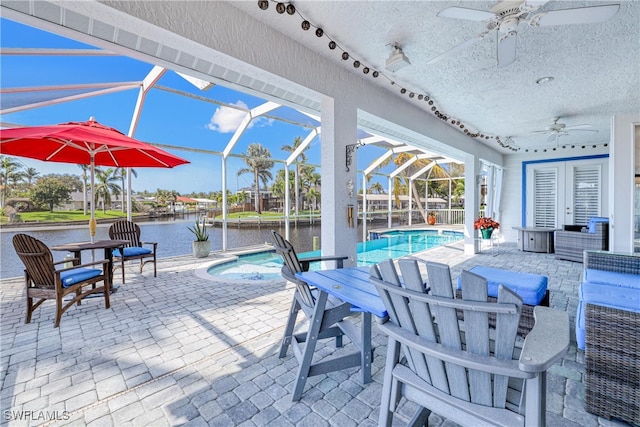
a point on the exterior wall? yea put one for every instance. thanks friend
(624, 130)
(513, 193)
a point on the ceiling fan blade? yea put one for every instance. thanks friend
(579, 15)
(507, 48)
(465, 13)
(539, 131)
(553, 138)
(574, 127)
(581, 130)
(456, 48)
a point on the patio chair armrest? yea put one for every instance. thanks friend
(66, 260)
(150, 243)
(104, 262)
(306, 261)
(547, 342)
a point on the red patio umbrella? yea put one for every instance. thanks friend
(87, 143)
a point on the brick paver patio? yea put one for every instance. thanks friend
(180, 350)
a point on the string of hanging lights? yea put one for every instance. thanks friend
(290, 9)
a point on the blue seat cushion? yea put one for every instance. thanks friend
(591, 227)
(612, 296)
(530, 287)
(132, 251)
(612, 278)
(77, 275)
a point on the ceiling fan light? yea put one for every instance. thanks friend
(544, 80)
(396, 60)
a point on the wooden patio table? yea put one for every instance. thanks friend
(108, 246)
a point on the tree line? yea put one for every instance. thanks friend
(49, 191)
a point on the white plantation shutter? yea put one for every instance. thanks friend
(586, 193)
(545, 199)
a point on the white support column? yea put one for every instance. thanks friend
(389, 203)
(472, 179)
(624, 131)
(287, 202)
(410, 200)
(149, 81)
(364, 207)
(224, 203)
(339, 128)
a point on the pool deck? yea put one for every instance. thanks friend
(181, 350)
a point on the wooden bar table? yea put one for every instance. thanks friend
(107, 245)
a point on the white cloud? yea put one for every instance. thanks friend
(226, 120)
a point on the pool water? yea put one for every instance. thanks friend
(260, 266)
(394, 244)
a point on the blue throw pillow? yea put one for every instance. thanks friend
(71, 277)
(593, 221)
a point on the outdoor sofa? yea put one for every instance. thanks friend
(572, 240)
(608, 329)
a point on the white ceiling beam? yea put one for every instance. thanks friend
(147, 83)
(403, 166)
(69, 98)
(21, 51)
(255, 112)
(370, 140)
(305, 143)
(423, 170)
(199, 83)
(67, 87)
(377, 162)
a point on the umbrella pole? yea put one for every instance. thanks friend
(92, 221)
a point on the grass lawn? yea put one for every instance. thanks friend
(254, 214)
(64, 216)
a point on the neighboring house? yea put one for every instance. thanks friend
(376, 202)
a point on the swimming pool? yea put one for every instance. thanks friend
(392, 244)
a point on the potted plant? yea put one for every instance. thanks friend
(201, 246)
(486, 225)
(431, 218)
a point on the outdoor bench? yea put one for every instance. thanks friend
(532, 288)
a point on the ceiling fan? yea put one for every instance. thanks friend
(504, 18)
(557, 130)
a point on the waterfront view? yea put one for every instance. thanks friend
(173, 239)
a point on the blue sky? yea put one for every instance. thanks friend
(166, 118)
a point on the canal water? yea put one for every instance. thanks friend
(172, 236)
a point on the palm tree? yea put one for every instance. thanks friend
(309, 180)
(105, 187)
(258, 158)
(9, 172)
(85, 170)
(30, 174)
(376, 188)
(302, 159)
(122, 173)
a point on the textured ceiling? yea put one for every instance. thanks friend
(596, 67)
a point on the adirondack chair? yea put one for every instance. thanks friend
(44, 281)
(465, 371)
(304, 299)
(135, 249)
